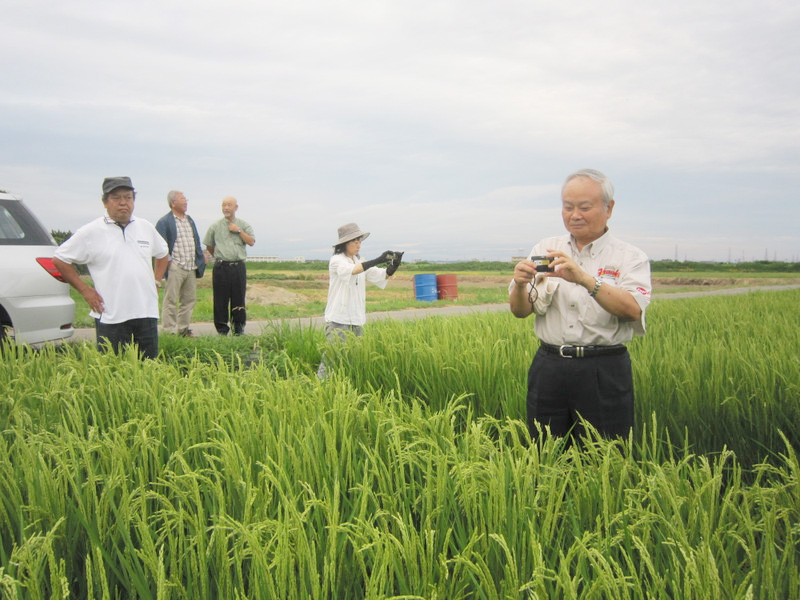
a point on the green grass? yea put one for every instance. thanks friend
(226, 469)
(398, 295)
(478, 283)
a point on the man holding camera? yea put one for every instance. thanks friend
(589, 292)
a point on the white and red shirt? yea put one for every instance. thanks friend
(567, 314)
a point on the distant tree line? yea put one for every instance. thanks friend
(769, 266)
(660, 266)
(655, 265)
(60, 236)
(419, 266)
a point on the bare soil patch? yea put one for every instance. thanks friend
(258, 293)
(695, 281)
(707, 282)
(287, 292)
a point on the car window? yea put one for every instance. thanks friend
(18, 227)
(9, 228)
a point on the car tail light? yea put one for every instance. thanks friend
(50, 267)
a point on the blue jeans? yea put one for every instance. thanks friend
(141, 332)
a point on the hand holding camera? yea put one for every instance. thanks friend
(394, 258)
(389, 257)
(543, 263)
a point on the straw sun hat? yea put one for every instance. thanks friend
(350, 232)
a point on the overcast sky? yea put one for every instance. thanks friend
(445, 128)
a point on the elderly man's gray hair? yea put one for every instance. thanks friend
(172, 196)
(594, 175)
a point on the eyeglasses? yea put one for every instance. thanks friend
(120, 198)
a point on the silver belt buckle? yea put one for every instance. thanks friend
(578, 351)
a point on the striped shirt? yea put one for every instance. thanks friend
(184, 250)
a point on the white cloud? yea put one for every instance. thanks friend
(439, 124)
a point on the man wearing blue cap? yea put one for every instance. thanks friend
(118, 251)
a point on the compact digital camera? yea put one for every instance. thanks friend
(542, 263)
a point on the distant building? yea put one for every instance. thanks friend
(296, 259)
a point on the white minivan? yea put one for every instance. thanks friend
(35, 305)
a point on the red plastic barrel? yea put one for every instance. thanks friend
(448, 287)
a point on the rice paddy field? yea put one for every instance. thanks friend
(289, 290)
(226, 469)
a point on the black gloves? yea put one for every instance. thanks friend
(381, 260)
(390, 257)
(394, 261)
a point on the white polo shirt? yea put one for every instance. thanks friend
(567, 314)
(120, 264)
(347, 298)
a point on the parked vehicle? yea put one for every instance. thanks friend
(35, 305)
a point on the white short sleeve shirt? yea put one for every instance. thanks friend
(120, 264)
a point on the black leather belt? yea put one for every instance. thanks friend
(570, 351)
(228, 263)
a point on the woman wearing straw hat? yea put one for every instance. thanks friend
(346, 310)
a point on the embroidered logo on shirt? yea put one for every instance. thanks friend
(609, 273)
(143, 243)
(643, 291)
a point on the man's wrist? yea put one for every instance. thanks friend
(595, 287)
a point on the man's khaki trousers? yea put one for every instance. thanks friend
(180, 293)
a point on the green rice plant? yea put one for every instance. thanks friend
(723, 369)
(435, 359)
(282, 346)
(199, 476)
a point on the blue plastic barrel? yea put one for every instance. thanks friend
(425, 288)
